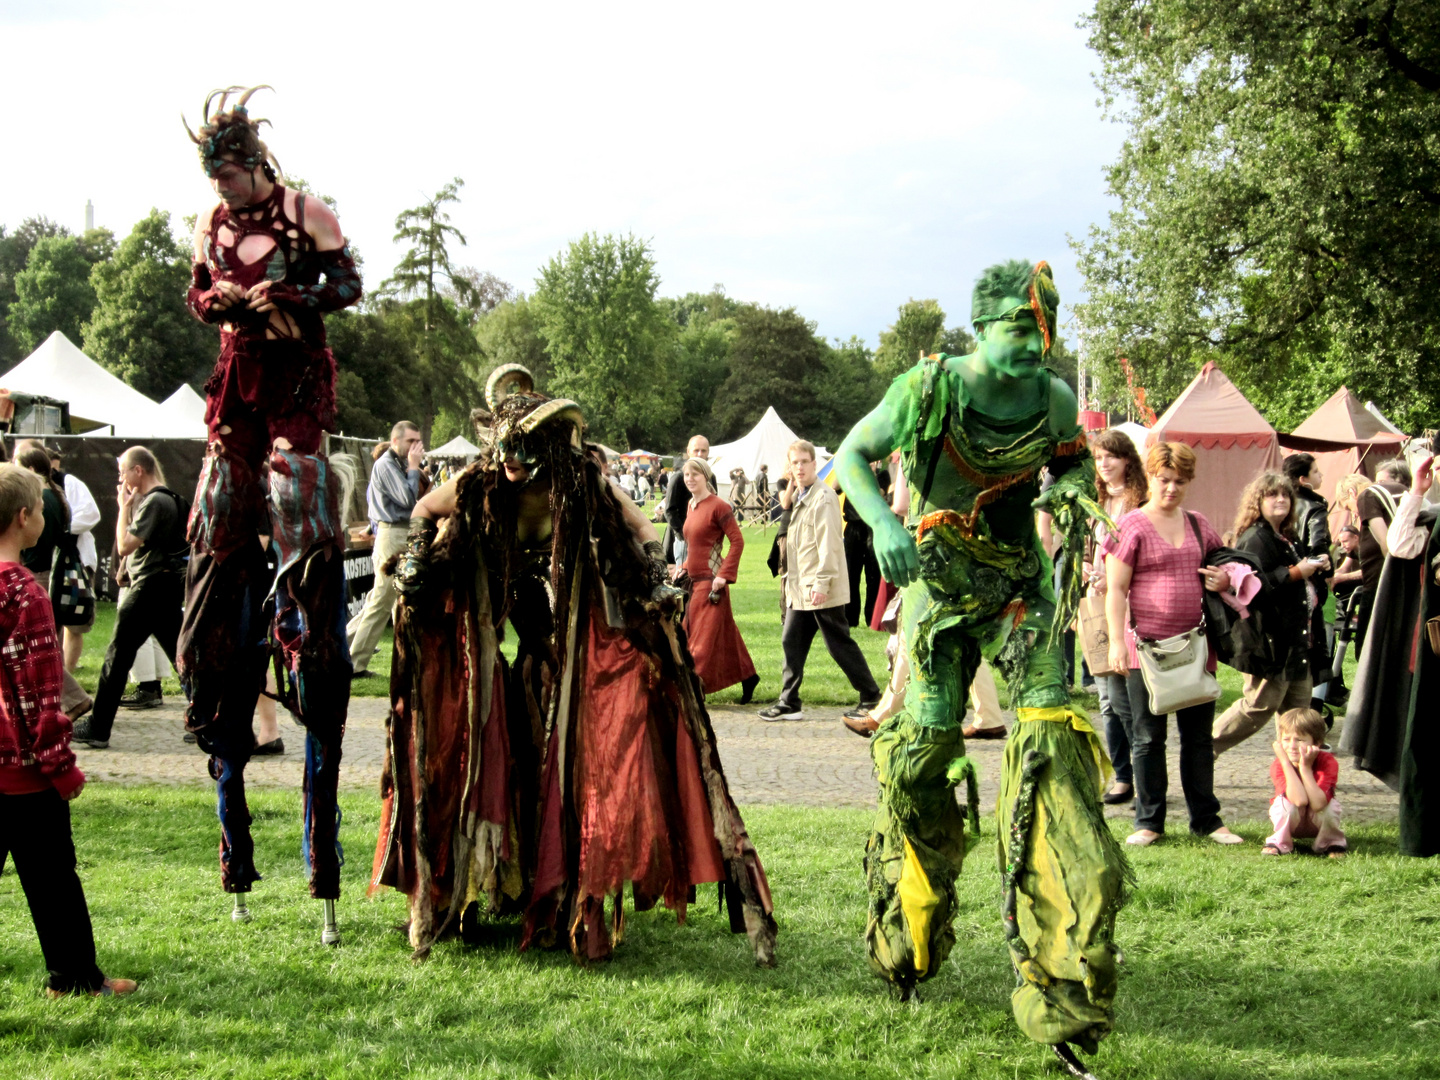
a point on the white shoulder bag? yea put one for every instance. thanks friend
(1175, 668)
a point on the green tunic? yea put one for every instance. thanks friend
(985, 592)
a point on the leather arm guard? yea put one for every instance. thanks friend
(660, 587)
(412, 568)
(340, 289)
(202, 295)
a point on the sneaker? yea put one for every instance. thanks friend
(861, 711)
(109, 988)
(142, 699)
(83, 734)
(781, 712)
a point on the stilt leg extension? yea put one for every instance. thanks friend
(330, 933)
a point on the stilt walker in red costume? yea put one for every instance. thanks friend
(269, 263)
(546, 786)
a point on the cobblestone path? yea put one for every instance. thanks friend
(810, 762)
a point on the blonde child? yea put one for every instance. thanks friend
(38, 773)
(1304, 776)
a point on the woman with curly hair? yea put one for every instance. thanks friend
(1277, 676)
(1123, 488)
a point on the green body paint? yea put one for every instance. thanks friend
(974, 433)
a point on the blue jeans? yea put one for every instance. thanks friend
(1115, 714)
(1197, 761)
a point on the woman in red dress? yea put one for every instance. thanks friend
(721, 658)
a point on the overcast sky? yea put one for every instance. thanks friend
(835, 157)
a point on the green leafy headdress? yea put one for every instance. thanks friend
(1015, 278)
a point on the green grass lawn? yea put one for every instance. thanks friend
(755, 598)
(1236, 966)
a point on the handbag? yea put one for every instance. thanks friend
(71, 594)
(1174, 668)
(1095, 634)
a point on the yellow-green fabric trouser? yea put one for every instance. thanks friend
(1071, 875)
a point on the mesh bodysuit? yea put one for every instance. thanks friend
(275, 377)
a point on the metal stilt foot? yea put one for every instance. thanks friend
(241, 912)
(330, 933)
(1071, 1062)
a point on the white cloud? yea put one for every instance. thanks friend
(839, 158)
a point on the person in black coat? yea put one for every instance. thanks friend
(1277, 676)
(1312, 539)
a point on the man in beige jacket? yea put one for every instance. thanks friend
(817, 588)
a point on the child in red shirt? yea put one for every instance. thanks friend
(1304, 777)
(38, 775)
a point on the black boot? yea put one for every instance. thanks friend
(747, 689)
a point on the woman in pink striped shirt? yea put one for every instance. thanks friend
(1156, 563)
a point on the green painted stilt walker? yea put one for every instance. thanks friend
(974, 433)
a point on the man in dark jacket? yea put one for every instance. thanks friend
(677, 500)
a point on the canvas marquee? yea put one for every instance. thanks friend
(1233, 443)
(98, 400)
(764, 444)
(1345, 437)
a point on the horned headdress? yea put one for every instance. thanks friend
(232, 134)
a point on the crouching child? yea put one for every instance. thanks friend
(38, 774)
(1304, 775)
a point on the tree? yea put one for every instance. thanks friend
(52, 293)
(701, 367)
(917, 331)
(612, 347)
(956, 341)
(140, 328)
(14, 251)
(705, 327)
(850, 389)
(509, 334)
(1279, 200)
(425, 268)
(775, 359)
(477, 292)
(699, 307)
(375, 379)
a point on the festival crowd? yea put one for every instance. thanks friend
(992, 534)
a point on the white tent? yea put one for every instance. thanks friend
(1138, 434)
(458, 447)
(764, 444)
(186, 404)
(97, 398)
